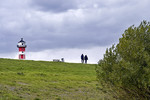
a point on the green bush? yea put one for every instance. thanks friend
(126, 66)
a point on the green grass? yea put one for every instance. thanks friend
(43, 80)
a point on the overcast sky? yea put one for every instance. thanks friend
(55, 29)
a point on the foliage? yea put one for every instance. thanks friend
(126, 66)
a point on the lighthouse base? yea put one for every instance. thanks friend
(21, 56)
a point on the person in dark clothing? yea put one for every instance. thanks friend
(86, 58)
(82, 58)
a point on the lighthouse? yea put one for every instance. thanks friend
(21, 45)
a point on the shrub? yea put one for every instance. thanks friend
(126, 66)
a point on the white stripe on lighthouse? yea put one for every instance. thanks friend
(21, 52)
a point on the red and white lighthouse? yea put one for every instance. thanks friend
(21, 45)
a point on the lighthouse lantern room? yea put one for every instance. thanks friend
(21, 45)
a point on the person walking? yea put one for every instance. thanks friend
(82, 58)
(86, 58)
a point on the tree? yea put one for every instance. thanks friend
(127, 65)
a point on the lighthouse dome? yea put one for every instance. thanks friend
(21, 43)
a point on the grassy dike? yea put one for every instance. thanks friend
(43, 80)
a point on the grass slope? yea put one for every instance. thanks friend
(43, 80)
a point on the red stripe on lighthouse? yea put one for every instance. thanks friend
(21, 56)
(22, 49)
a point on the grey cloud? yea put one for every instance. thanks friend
(54, 5)
(79, 28)
(88, 36)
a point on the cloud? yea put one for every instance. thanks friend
(67, 24)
